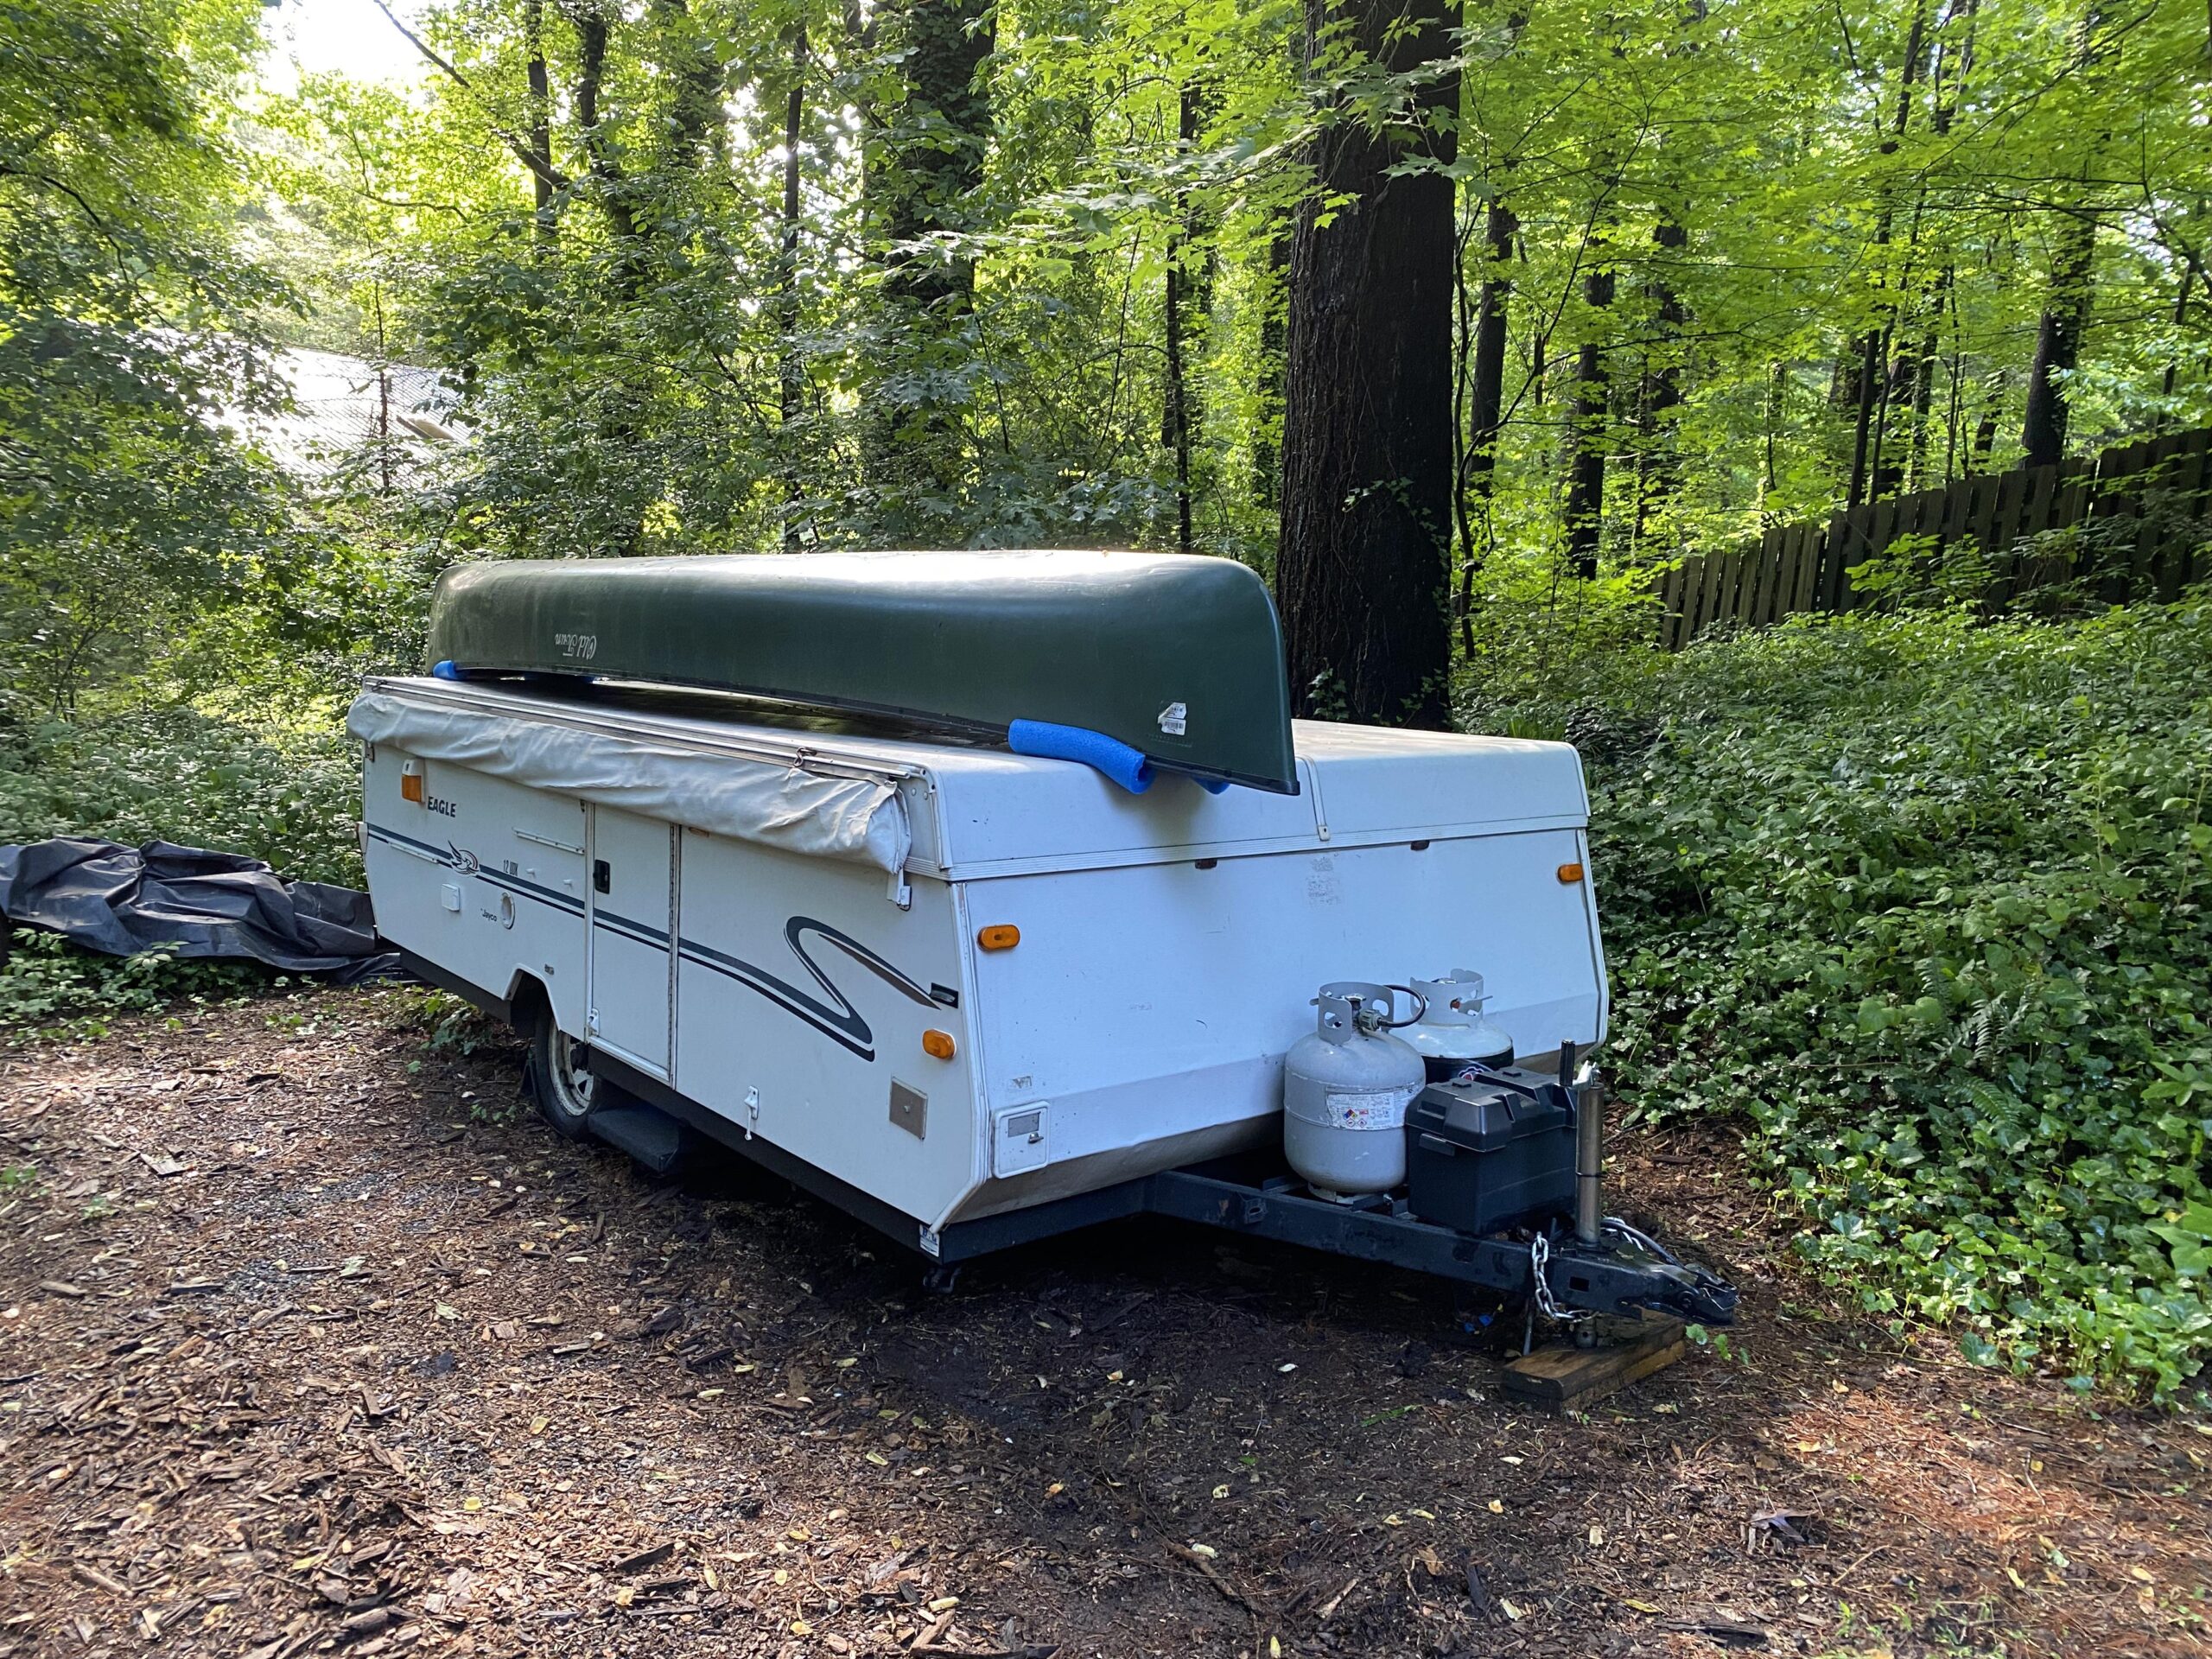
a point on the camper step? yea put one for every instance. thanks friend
(653, 1138)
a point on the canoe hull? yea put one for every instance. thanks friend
(1179, 657)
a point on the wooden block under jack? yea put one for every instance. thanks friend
(1563, 1378)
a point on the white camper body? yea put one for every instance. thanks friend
(785, 923)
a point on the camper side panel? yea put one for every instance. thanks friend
(1149, 1008)
(803, 999)
(482, 877)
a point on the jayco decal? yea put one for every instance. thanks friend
(837, 1018)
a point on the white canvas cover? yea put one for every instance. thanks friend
(775, 800)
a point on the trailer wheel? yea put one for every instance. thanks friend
(560, 1079)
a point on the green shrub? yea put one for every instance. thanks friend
(178, 775)
(290, 797)
(48, 988)
(1925, 902)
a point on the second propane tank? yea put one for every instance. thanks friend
(1453, 1030)
(1346, 1089)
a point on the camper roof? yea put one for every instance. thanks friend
(973, 810)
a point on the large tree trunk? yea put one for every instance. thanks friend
(1360, 573)
(1586, 433)
(2058, 342)
(924, 162)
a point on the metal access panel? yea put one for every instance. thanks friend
(633, 885)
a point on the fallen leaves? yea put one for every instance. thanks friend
(184, 1394)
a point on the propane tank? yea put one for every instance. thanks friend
(1345, 1088)
(1452, 1030)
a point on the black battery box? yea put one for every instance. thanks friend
(1489, 1153)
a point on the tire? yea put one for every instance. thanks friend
(559, 1078)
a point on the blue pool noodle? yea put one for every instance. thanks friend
(1116, 759)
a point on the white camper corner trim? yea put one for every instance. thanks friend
(776, 801)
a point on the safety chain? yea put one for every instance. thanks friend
(1642, 1240)
(1540, 1255)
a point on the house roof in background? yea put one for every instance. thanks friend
(343, 406)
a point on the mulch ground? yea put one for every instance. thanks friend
(310, 1341)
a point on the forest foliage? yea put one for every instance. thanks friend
(709, 276)
(1918, 900)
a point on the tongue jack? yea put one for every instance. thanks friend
(1589, 1089)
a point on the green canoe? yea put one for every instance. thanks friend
(1180, 658)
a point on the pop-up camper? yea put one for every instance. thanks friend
(993, 894)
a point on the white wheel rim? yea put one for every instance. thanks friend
(571, 1081)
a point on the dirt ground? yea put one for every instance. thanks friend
(311, 1342)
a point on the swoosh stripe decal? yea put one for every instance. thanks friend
(836, 1019)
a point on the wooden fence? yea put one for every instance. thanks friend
(2164, 485)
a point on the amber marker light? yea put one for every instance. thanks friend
(1003, 937)
(937, 1045)
(411, 787)
(1569, 873)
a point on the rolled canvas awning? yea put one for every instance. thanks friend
(1179, 657)
(776, 801)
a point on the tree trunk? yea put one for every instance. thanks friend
(791, 366)
(2058, 342)
(1925, 366)
(1586, 433)
(1777, 391)
(2173, 367)
(1660, 469)
(688, 63)
(1486, 406)
(541, 120)
(1267, 456)
(923, 165)
(605, 171)
(1896, 391)
(1175, 420)
(1360, 573)
(1985, 431)
(1874, 346)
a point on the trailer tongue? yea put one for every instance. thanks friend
(856, 864)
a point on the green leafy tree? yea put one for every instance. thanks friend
(126, 332)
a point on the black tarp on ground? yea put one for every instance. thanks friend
(120, 900)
